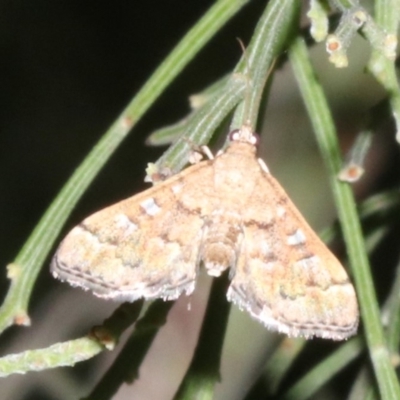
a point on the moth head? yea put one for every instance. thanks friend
(245, 134)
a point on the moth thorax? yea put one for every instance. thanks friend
(220, 248)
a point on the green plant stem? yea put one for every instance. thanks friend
(73, 351)
(260, 59)
(203, 124)
(203, 372)
(23, 272)
(323, 372)
(272, 34)
(125, 368)
(168, 134)
(375, 213)
(387, 16)
(364, 382)
(58, 355)
(281, 361)
(391, 314)
(321, 119)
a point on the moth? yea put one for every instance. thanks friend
(225, 212)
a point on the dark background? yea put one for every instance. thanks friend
(68, 68)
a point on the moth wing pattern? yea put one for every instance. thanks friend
(285, 276)
(144, 246)
(225, 212)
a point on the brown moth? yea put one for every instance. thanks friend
(226, 212)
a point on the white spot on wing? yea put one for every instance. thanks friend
(280, 212)
(177, 188)
(123, 222)
(268, 266)
(265, 248)
(77, 230)
(150, 206)
(297, 238)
